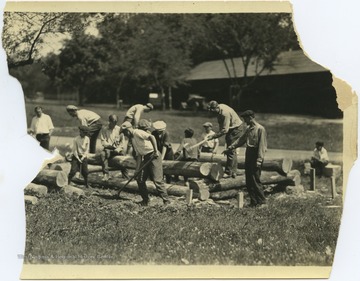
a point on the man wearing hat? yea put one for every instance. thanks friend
(146, 151)
(80, 153)
(89, 119)
(163, 143)
(210, 145)
(134, 113)
(320, 158)
(256, 146)
(42, 127)
(230, 126)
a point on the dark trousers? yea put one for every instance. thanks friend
(94, 130)
(252, 177)
(231, 157)
(44, 140)
(107, 154)
(76, 166)
(153, 170)
(207, 149)
(318, 165)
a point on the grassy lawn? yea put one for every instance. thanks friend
(284, 131)
(292, 230)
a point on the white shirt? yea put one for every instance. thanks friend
(321, 155)
(209, 143)
(141, 142)
(42, 124)
(87, 117)
(81, 145)
(134, 113)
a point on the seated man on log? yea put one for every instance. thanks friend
(210, 145)
(81, 145)
(163, 143)
(148, 160)
(114, 143)
(185, 152)
(320, 158)
(256, 146)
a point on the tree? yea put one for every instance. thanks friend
(27, 35)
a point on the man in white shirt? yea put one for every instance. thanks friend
(146, 150)
(210, 145)
(42, 127)
(89, 119)
(134, 113)
(320, 158)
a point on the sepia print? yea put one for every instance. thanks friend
(189, 144)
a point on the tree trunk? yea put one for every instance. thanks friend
(292, 179)
(212, 171)
(282, 166)
(51, 178)
(170, 98)
(132, 187)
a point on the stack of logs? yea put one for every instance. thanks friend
(205, 176)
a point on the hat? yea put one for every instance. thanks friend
(71, 107)
(319, 143)
(150, 106)
(83, 128)
(189, 132)
(213, 104)
(144, 124)
(126, 125)
(159, 125)
(248, 113)
(207, 124)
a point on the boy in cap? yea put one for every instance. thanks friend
(80, 152)
(89, 119)
(163, 143)
(134, 113)
(256, 146)
(210, 145)
(230, 126)
(114, 143)
(146, 152)
(320, 158)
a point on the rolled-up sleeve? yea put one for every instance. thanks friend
(262, 142)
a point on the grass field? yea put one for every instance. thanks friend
(291, 230)
(284, 131)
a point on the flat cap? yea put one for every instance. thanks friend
(126, 125)
(213, 104)
(207, 124)
(83, 128)
(71, 107)
(248, 113)
(150, 106)
(144, 124)
(319, 143)
(159, 125)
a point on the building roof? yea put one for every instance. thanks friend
(291, 62)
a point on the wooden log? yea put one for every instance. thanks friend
(67, 166)
(212, 171)
(30, 199)
(222, 195)
(312, 179)
(72, 191)
(132, 187)
(332, 170)
(240, 200)
(333, 187)
(189, 196)
(293, 178)
(38, 190)
(51, 178)
(282, 166)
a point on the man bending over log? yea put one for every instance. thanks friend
(256, 145)
(230, 126)
(147, 159)
(114, 143)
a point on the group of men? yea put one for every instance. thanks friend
(133, 136)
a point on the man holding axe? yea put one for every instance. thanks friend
(148, 160)
(230, 126)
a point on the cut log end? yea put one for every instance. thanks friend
(286, 165)
(61, 179)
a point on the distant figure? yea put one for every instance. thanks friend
(320, 158)
(256, 146)
(41, 127)
(148, 162)
(210, 145)
(185, 152)
(80, 151)
(89, 119)
(163, 143)
(230, 126)
(114, 143)
(133, 115)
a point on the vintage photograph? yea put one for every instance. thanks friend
(183, 139)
